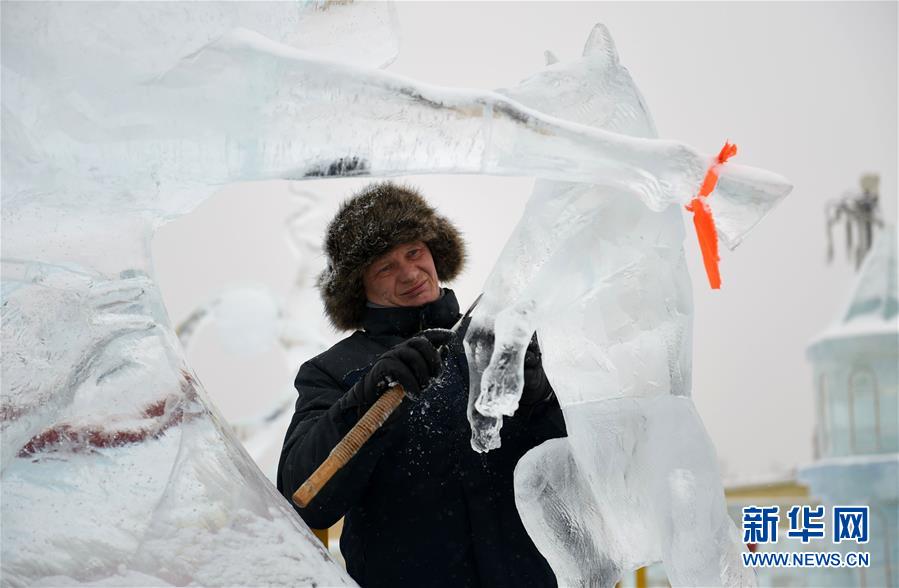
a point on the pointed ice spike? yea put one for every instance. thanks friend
(600, 43)
(550, 57)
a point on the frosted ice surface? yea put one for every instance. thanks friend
(116, 468)
(602, 278)
(222, 104)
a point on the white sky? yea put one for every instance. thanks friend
(808, 90)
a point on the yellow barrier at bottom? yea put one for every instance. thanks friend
(641, 578)
(322, 535)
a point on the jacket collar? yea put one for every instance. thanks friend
(408, 320)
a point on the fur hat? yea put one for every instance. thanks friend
(368, 225)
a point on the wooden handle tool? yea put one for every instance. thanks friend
(370, 422)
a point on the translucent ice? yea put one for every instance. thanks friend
(220, 104)
(116, 468)
(602, 278)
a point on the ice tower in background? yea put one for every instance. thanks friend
(855, 363)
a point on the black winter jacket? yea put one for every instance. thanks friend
(422, 508)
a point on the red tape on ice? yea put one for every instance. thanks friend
(703, 220)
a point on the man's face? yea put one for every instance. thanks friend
(404, 276)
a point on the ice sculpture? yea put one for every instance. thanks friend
(602, 279)
(120, 116)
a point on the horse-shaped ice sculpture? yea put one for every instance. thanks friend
(602, 279)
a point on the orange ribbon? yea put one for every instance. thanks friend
(703, 220)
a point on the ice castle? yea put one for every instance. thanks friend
(854, 363)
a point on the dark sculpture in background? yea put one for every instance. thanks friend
(861, 211)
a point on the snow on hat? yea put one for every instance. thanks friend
(368, 225)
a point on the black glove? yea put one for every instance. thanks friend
(536, 385)
(411, 364)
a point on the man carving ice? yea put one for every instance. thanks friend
(422, 508)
